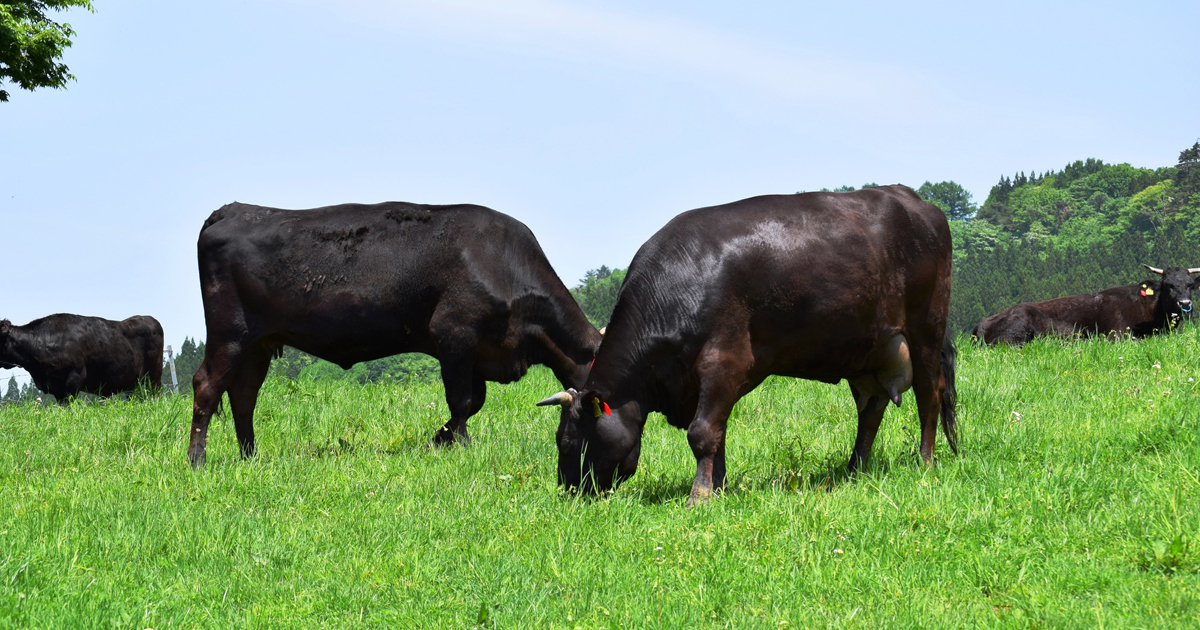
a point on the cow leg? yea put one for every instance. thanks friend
(928, 385)
(212, 379)
(722, 373)
(243, 395)
(72, 385)
(706, 436)
(465, 393)
(870, 414)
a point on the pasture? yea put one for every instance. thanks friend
(1075, 502)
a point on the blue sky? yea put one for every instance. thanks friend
(592, 122)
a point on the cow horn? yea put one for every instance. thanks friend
(561, 398)
(1190, 270)
(1156, 269)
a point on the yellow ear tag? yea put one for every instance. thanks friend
(1149, 291)
(596, 407)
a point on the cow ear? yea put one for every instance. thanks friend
(5, 326)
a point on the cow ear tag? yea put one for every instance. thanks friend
(597, 406)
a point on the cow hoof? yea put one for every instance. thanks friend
(446, 437)
(699, 496)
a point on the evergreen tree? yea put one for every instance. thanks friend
(187, 361)
(1187, 174)
(597, 294)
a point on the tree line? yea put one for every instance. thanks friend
(291, 363)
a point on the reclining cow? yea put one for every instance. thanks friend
(822, 286)
(1138, 309)
(68, 354)
(465, 284)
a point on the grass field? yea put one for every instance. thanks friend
(1074, 502)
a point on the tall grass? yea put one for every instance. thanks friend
(1073, 502)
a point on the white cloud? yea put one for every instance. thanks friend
(719, 59)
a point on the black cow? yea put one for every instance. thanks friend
(465, 284)
(67, 354)
(1137, 309)
(822, 286)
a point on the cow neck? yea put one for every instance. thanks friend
(572, 342)
(640, 357)
(1162, 315)
(578, 342)
(14, 346)
(622, 374)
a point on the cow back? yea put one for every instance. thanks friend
(357, 282)
(816, 280)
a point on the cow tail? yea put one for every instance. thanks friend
(950, 395)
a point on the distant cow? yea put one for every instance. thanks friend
(822, 286)
(465, 284)
(1138, 309)
(67, 354)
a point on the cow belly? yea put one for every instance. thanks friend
(829, 354)
(346, 350)
(348, 333)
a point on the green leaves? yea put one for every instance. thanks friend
(31, 43)
(952, 198)
(1169, 557)
(597, 293)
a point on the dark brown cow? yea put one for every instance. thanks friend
(465, 284)
(822, 286)
(1139, 310)
(68, 354)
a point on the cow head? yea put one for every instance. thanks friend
(5, 331)
(1175, 290)
(598, 446)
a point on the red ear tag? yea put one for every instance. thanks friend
(1143, 293)
(607, 411)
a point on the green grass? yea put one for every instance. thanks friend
(1073, 503)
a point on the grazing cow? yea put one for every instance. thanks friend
(465, 284)
(1140, 309)
(67, 354)
(821, 286)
